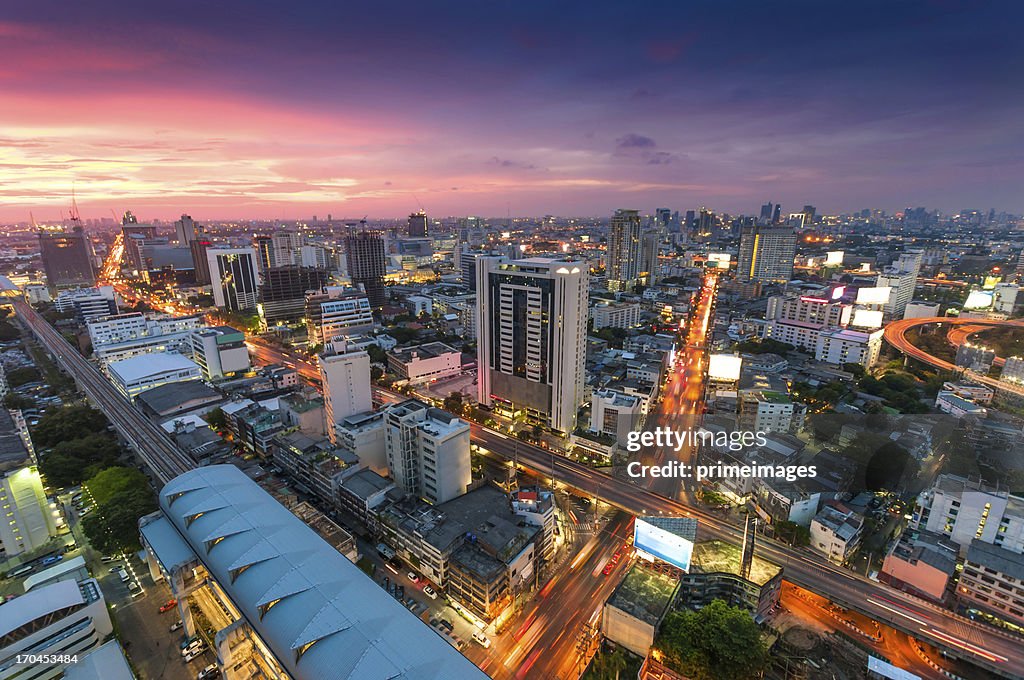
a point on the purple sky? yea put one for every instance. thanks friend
(270, 109)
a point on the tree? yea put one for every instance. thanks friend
(217, 419)
(719, 642)
(16, 401)
(454, 403)
(890, 464)
(114, 526)
(68, 462)
(20, 376)
(70, 422)
(377, 355)
(793, 533)
(376, 373)
(114, 480)
(8, 332)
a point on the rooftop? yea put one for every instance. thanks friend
(644, 594)
(13, 453)
(106, 662)
(1000, 559)
(138, 367)
(318, 613)
(718, 557)
(174, 397)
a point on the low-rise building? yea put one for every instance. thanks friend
(991, 585)
(220, 352)
(956, 405)
(87, 303)
(634, 612)
(364, 435)
(921, 563)
(133, 376)
(716, 573)
(836, 532)
(846, 346)
(615, 315)
(615, 414)
(423, 363)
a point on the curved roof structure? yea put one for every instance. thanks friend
(322, 617)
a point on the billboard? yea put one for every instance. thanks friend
(978, 299)
(724, 367)
(874, 296)
(867, 318)
(887, 670)
(654, 542)
(834, 258)
(719, 260)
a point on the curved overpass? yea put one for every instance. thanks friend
(896, 332)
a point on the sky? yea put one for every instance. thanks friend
(284, 110)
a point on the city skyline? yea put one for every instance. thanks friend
(226, 113)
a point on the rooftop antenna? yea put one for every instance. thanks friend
(419, 203)
(76, 217)
(32, 220)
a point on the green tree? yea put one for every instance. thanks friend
(70, 422)
(8, 332)
(114, 526)
(376, 373)
(69, 461)
(793, 533)
(20, 376)
(377, 355)
(718, 642)
(217, 419)
(16, 401)
(113, 480)
(454, 403)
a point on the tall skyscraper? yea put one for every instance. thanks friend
(766, 253)
(200, 244)
(766, 213)
(428, 451)
(777, 215)
(346, 382)
(809, 212)
(531, 320)
(67, 258)
(185, 230)
(367, 263)
(624, 250)
(283, 293)
(649, 251)
(901, 276)
(286, 246)
(233, 275)
(418, 224)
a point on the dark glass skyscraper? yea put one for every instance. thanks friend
(67, 258)
(418, 224)
(367, 262)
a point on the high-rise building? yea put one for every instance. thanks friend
(336, 313)
(531, 320)
(367, 263)
(233, 275)
(777, 215)
(809, 212)
(285, 246)
(766, 213)
(67, 258)
(650, 249)
(624, 250)
(428, 451)
(418, 224)
(965, 510)
(901, 276)
(185, 230)
(766, 253)
(283, 293)
(346, 383)
(201, 265)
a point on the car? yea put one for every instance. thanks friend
(52, 559)
(168, 606)
(192, 645)
(194, 654)
(85, 511)
(430, 592)
(446, 624)
(138, 592)
(134, 586)
(208, 672)
(107, 559)
(413, 577)
(69, 547)
(21, 571)
(608, 568)
(481, 639)
(176, 625)
(123, 575)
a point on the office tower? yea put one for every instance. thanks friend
(662, 220)
(705, 221)
(901, 276)
(427, 450)
(129, 218)
(220, 351)
(283, 293)
(285, 247)
(649, 250)
(691, 219)
(87, 303)
(777, 215)
(336, 313)
(67, 258)
(766, 253)
(233, 275)
(346, 383)
(531, 320)
(185, 230)
(264, 252)
(199, 246)
(418, 224)
(367, 263)
(624, 250)
(766, 213)
(809, 213)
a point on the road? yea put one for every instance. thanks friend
(896, 335)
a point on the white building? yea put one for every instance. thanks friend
(836, 532)
(87, 303)
(337, 313)
(1013, 370)
(615, 315)
(765, 411)
(138, 374)
(220, 351)
(28, 520)
(952, 403)
(118, 328)
(62, 619)
(531, 326)
(615, 414)
(428, 451)
(422, 363)
(363, 435)
(1004, 298)
(798, 320)
(845, 346)
(36, 293)
(903, 283)
(963, 509)
(346, 383)
(233, 273)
